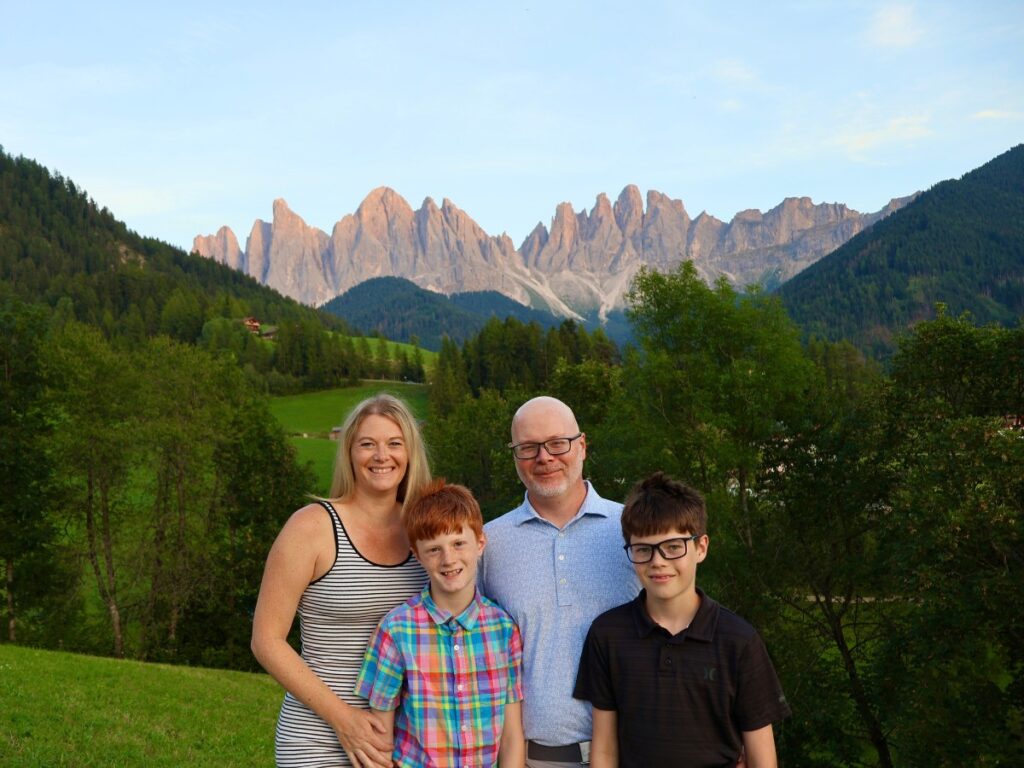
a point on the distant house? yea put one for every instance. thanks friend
(335, 433)
(252, 324)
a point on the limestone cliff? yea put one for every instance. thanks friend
(583, 262)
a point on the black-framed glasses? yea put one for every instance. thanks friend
(556, 446)
(669, 549)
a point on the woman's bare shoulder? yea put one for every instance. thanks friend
(308, 523)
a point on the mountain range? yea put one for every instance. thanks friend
(960, 243)
(580, 266)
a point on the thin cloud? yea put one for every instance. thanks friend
(895, 26)
(735, 72)
(997, 114)
(898, 130)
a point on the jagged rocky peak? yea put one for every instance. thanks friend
(384, 201)
(660, 203)
(536, 240)
(564, 226)
(585, 259)
(602, 208)
(222, 247)
(285, 220)
(629, 209)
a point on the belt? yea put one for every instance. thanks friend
(569, 753)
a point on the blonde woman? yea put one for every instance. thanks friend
(341, 564)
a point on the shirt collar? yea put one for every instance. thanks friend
(701, 628)
(525, 512)
(467, 619)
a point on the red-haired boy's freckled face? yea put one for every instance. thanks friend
(451, 561)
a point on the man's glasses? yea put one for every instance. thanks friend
(556, 446)
(669, 549)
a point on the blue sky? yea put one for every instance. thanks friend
(185, 116)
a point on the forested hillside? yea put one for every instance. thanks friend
(57, 248)
(415, 313)
(960, 243)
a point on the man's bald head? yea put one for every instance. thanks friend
(556, 479)
(540, 411)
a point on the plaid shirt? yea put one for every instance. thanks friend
(450, 676)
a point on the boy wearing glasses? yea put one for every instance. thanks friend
(449, 659)
(674, 678)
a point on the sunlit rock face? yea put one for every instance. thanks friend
(582, 263)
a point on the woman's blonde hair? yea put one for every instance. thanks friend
(417, 473)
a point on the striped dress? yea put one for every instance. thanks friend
(338, 614)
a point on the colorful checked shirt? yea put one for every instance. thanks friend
(449, 676)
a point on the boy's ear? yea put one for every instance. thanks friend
(412, 548)
(702, 547)
(483, 541)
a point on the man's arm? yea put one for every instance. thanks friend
(512, 750)
(759, 747)
(604, 744)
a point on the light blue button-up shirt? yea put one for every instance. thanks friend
(554, 583)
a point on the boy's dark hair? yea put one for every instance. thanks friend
(441, 508)
(658, 504)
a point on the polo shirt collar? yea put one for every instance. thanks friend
(701, 628)
(525, 512)
(468, 619)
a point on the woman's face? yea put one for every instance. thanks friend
(379, 457)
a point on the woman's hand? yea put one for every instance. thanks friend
(365, 739)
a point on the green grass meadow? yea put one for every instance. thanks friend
(309, 417)
(63, 709)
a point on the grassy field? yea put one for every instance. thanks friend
(62, 709)
(308, 418)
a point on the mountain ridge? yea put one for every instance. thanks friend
(581, 264)
(960, 243)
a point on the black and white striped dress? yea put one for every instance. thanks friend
(338, 614)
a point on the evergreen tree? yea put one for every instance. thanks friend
(27, 482)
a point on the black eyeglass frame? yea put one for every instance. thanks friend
(629, 548)
(517, 446)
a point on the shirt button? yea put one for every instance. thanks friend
(561, 557)
(456, 646)
(459, 687)
(561, 581)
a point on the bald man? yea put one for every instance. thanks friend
(555, 562)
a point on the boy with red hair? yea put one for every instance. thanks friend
(449, 659)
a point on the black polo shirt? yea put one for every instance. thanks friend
(681, 700)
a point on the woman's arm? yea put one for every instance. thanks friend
(604, 744)
(291, 566)
(512, 750)
(759, 747)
